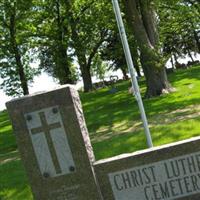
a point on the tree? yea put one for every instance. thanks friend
(113, 52)
(182, 23)
(15, 50)
(179, 26)
(52, 39)
(99, 67)
(88, 33)
(144, 26)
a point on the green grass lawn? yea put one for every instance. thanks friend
(114, 121)
(114, 125)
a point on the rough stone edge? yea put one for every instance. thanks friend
(85, 134)
(80, 115)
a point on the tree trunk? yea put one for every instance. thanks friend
(15, 48)
(175, 59)
(156, 79)
(85, 69)
(149, 21)
(136, 66)
(87, 79)
(79, 51)
(172, 62)
(62, 70)
(134, 52)
(147, 39)
(190, 55)
(125, 76)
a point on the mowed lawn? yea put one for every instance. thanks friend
(114, 125)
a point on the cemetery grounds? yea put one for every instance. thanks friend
(114, 124)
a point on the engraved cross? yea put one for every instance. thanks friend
(46, 128)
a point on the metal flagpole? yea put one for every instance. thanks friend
(131, 70)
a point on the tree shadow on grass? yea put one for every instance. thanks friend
(7, 138)
(134, 141)
(7, 142)
(13, 182)
(4, 117)
(119, 144)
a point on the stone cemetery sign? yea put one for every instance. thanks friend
(54, 144)
(164, 173)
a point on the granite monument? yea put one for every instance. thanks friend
(54, 145)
